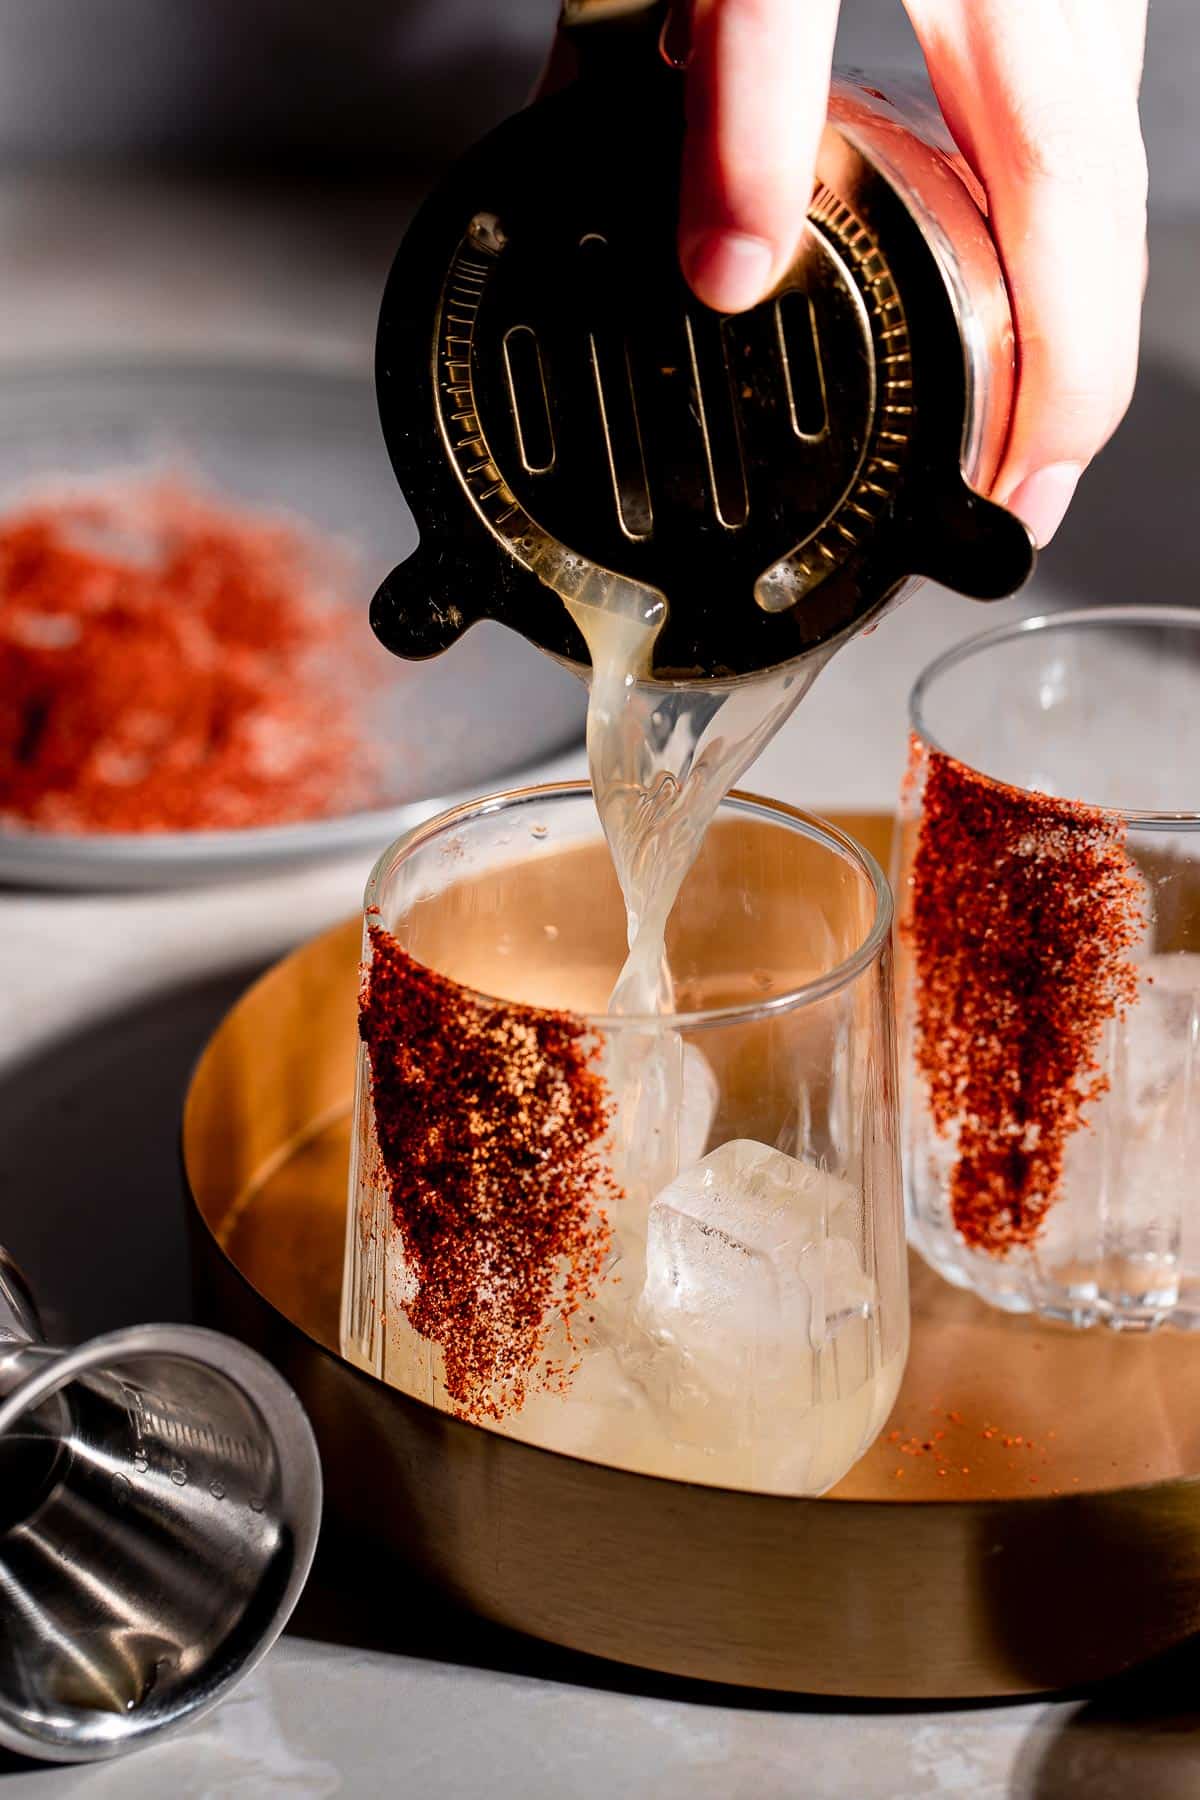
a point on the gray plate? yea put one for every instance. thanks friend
(309, 441)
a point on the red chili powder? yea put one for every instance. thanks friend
(953, 1448)
(1022, 912)
(169, 664)
(490, 1120)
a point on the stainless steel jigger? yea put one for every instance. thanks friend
(160, 1494)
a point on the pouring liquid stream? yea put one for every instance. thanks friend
(661, 759)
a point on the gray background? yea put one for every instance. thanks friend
(413, 79)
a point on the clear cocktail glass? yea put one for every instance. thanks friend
(673, 1243)
(1048, 878)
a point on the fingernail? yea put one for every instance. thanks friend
(1043, 498)
(728, 270)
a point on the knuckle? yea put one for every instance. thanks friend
(1063, 144)
(1044, 145)
(1081, 415)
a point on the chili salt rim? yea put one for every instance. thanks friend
(1127, 614)
(817, 830)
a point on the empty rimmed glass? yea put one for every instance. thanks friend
(1100, 711)
(743, 1315)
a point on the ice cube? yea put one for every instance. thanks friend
(751, 1273)
(1151, 1057)
(1129, 1167)
(1158, 1034)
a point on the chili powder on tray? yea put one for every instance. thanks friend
(489, 1119)
(1023, 910)
(170, 663)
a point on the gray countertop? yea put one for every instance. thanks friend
(315, 1721)
(105, 1000)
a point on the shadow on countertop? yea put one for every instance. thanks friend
(1139, 1734)
(90, 1200)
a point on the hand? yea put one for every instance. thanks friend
(1041, 96)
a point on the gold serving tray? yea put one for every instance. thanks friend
(1030, 1520)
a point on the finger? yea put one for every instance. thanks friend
(1128, 20)
(1041, 96)
(757, 94)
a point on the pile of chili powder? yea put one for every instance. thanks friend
(169, 663)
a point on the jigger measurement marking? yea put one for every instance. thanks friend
(160, 1425)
